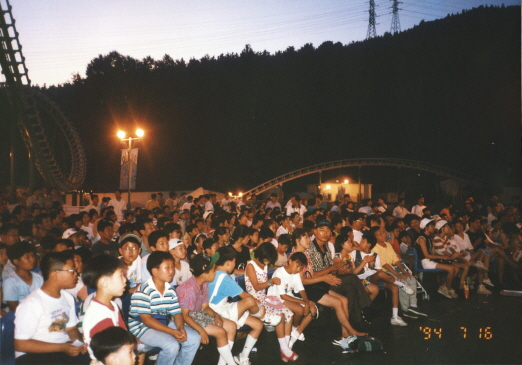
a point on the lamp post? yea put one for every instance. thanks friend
(129, 143)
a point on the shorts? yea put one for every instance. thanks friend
(230, 311)
(202, 318)
(315, 292)
(428, 264)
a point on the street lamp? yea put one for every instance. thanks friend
(128, 161)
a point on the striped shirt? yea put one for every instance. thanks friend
(148, 300)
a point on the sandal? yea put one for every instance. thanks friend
(292, 357)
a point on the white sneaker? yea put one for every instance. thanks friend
(453, 294)
(407, 289)
(444, 291)
(488, 282)
(480, 266)
(346, 343)
(397, 321)
(482, 290)
(240, 361)
(297, 335)
(272, 319)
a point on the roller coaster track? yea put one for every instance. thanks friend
(357, 162)
(29, 105)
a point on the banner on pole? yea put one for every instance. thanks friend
(129, 166)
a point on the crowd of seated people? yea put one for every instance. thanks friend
(100, 285)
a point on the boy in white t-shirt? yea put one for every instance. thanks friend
(368, 266)
(291, 285)
(45, 324)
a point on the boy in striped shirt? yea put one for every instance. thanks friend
(155, 316)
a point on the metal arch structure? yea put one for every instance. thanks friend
(28, 104)
(358, 162)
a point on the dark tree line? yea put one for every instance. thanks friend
(446, 92)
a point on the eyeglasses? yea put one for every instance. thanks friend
(131, 249)
(72, 271)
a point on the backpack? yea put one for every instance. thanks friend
(366, 344)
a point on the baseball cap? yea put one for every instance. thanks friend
(424, 222)
(323, 224)
(440, 224)
(69, 232)
(175, 242)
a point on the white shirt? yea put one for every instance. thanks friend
(417, 210)
(301, 210)
(281, 230)
(367, 270)
(90, 206)
(273, 205)
(44, 318)
(400, 212)
(357, 236)
(187, 206)
(119, 207)
(209, 206)
(366, 210)
(180, 276)
(290, 283)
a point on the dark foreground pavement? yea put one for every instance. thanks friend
(485, 329)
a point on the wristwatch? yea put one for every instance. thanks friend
(269, 283)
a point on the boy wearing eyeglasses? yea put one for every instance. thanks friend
(130, 255)
(46, 329)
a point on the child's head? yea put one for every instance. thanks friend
(266, 253)
(63, 244)
(105, 230)
(173, 230)
(114, 346)
(177, 249)
(284, 242)
(22, 255)
(300, 237)
(198, 239)
(161, 266)
(227, 259)
(201, 266)
(82, 255)
(3, 254)
(210, 246)
(296, 262)
(59, 269)
(368, 241)
(343, 242)
(129, 249)
(159, 241)
(405, 237)
(378, 233)
(105, 273)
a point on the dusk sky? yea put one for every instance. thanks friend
(60, 37)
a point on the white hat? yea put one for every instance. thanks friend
(175, 242)
(440, 224)
(207, 213)
(69, 232)
(424, 222)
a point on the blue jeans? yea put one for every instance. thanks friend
(172, 351)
